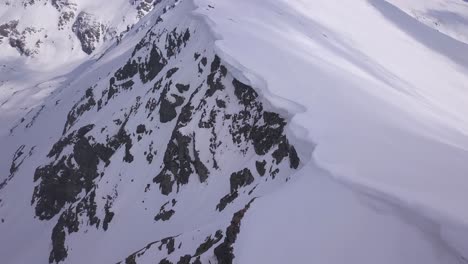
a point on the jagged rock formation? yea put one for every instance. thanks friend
(166, 118)
(89, 31)
(27, 42)
(193, 132)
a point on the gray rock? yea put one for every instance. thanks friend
(88, 30)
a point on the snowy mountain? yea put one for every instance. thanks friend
(198, 131)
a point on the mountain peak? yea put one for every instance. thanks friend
(241, 131)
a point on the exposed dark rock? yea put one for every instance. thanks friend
(85, 104)
(265, 136)
(224, 251)
(208, 122)
(36, 115)
(18, 158)
(167, 110)
(171, 72)
(253, 189)
(240, 179)
(59, 252)
(164, 215)
(174, 41)
(165, 182)
(220, 103)
(177, 161)
(182, 87)
(150, 156)
(282, 151)
(286, 150)
(261, 167)
(131, 259)
(61, 181)
(204, 61)
(9, 28)
(58, 147)
(214, 80)
(293, 158)
(209, 242)
(127, 85)
(88, 30)
(153, 65)
(185, 115)
(129, 70)
(200, 168)
(244, 93)
(69, 223)
(184, 259)
(169, 242)
(113, 89)
(108, 216)
(227, 199)
(141, 129)
(244, 121)
(145, 6)
(67, 10)
(19, 40)
(274, 173)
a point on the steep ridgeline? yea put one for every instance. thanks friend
(155, 162)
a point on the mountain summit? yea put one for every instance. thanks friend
(199, 131)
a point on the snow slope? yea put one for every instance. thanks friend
(316, 219)
(50, 52)
(448, 17)
(385, 109)
(190, 116)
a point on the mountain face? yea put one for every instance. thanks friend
(33, 26)
(167, 134)
(179, 131)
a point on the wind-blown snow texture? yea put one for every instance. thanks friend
(198, 131)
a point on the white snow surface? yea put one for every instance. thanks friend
(377, 88)
(449, 17)
(383, 97)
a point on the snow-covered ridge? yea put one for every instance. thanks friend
(143, 131)
(242, 132)
(400, 132)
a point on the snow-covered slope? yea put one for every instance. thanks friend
(449, 17)
(233, 132)
(63, 29)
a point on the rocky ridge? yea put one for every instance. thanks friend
(168, 122)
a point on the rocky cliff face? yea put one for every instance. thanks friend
(169, 131)
(27, 41)
(167, 141)
(89, 31)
